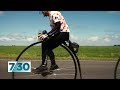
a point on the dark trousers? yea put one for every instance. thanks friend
(49, 45)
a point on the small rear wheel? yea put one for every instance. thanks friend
(117, 70)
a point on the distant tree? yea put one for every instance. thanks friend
(116, 45)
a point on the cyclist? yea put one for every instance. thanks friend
(59, 32)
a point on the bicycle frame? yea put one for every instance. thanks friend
(64, 45)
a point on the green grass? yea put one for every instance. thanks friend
(99, 52)
(84, 53)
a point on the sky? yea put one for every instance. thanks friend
(87, 28)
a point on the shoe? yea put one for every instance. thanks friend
(54, 67)
(40, 69)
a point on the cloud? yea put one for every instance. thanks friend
(117, 36)
(30, 39)
(74, 38)
(107, 39)
(93, 38)
(5, 39)
(111, 12)
(27, 39)
(1, 12)
(18, 37)
(112, 38)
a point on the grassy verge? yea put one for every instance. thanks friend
(84, 53)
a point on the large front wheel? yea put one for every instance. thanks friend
(68, 68)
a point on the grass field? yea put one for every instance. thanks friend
(84, 53)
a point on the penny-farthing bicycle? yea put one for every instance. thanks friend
(69, 69)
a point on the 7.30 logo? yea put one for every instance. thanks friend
(19, 66)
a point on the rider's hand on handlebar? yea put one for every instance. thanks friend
(42, 37)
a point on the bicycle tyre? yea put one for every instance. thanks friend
(64, 46)
(117, 70)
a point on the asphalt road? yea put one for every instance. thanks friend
(91, 69)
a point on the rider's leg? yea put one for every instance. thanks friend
(44, 54)
(56, 41)
(43, 66)
(50, 53)
(48, 46)
(47, 50)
